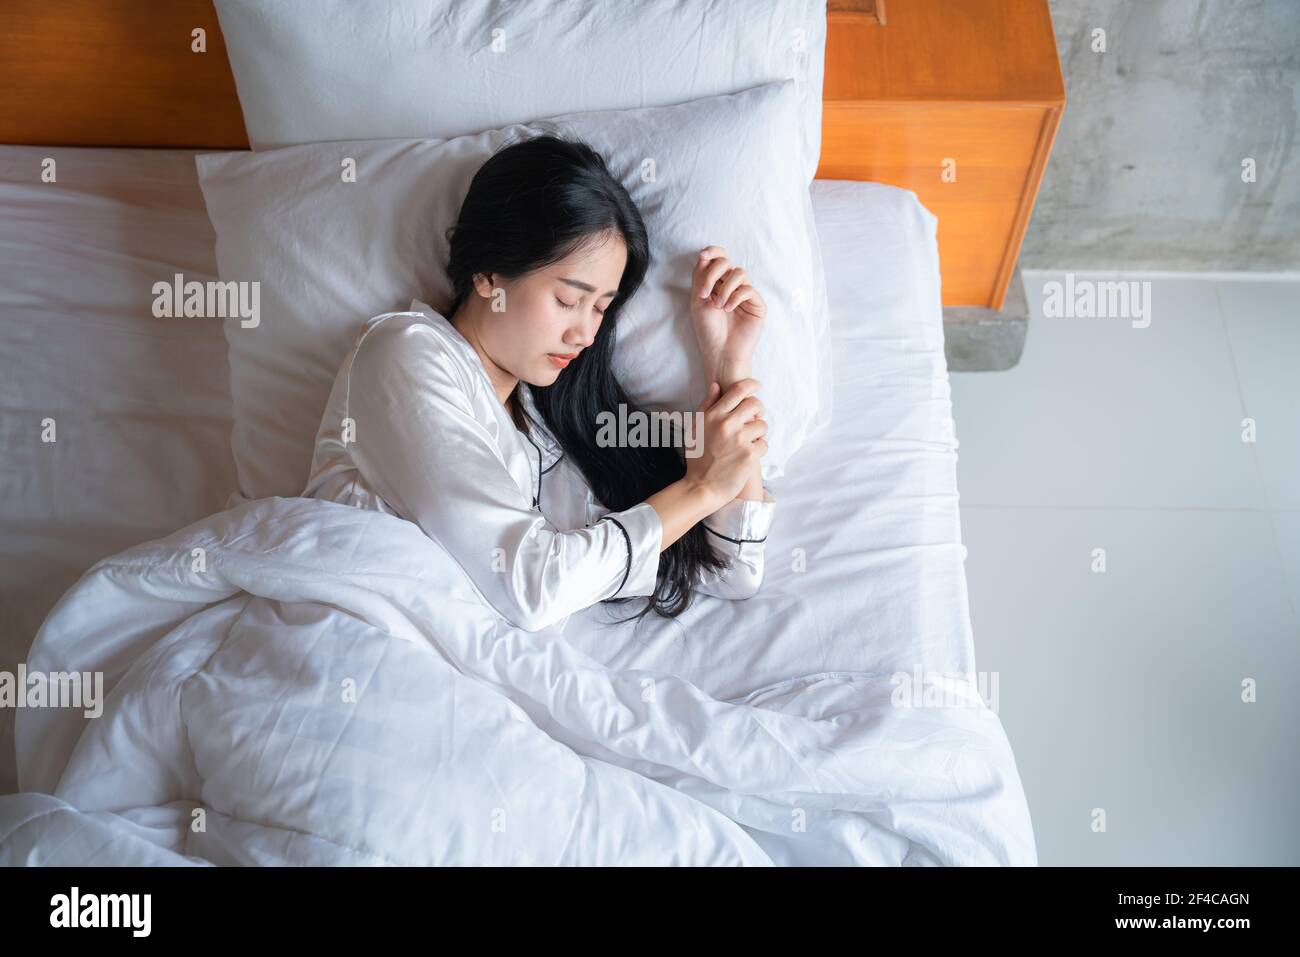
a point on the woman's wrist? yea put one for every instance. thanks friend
(703, 495)
(681, 506)
(753, 490)
(727, 372)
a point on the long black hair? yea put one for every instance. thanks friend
(532, 204)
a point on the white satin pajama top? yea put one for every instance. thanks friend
(414, 428)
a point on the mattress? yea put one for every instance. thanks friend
(140, 406)
(865, 563)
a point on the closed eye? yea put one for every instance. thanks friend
(574, 305)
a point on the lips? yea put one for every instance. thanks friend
(561, 359)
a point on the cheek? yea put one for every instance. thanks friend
(528, 332)
(533, 307)
(542, 326)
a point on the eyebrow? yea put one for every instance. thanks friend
(586, 288)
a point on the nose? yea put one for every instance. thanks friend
(584, 334)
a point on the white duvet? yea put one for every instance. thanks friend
(298, 682)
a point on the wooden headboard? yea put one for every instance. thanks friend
(958, 101)
(116, 73)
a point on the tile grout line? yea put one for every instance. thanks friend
(1267, 509)
(1259, 467)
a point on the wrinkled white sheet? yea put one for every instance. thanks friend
(142, 405)
(469, 741)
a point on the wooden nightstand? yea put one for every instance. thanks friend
(957, 100)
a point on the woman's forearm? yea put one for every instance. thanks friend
(683, 504)
(727, 374)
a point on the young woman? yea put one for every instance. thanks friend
(483, 426)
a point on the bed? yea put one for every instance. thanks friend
(141, 408)
(863, 607)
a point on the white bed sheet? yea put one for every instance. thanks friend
(141, 405)
(865, 566)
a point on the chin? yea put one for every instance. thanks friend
(545, 376)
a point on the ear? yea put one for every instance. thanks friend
(483, 284)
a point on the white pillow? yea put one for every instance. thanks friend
(308, 71)
(328, 254)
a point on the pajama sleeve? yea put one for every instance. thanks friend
(737, 532)
(418, 443)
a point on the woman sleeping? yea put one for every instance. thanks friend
(489, 427)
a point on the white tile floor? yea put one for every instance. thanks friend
(1122, 690)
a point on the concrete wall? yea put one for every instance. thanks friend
(1147, 168)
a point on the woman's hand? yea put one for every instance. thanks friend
(733, 441)
(727, 466)
(727, 314)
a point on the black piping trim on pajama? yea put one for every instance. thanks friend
(735, 541)
(537, 496)
(628, 538)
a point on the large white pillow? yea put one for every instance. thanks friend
(308, 71)
(329, 253)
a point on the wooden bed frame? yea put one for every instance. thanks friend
(957, 101)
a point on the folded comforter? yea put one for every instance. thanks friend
(295, 681)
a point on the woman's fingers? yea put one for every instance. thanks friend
(712, 271)
(745, 293)
(699, 288)
(753, 430)
(708, 255)
(727, 285)
(748, 408)
(710, 397)
(733, 396)
(723, 284)
(713, 277)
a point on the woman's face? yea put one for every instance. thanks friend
(535, 324)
